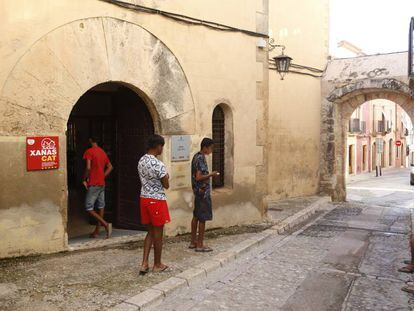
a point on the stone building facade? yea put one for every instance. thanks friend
(378, 122)
(73, 68)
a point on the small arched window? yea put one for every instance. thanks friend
(219, 145)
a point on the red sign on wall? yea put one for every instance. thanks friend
(42, 153)
(398, 143)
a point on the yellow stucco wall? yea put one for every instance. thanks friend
(294, 103)
(53, 51)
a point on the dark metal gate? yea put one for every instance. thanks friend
(134, 125)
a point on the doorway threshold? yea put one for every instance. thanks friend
(119, 236)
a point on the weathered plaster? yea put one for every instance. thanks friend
(73, 48)
(37, 99)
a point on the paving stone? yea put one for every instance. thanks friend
(372, 294)
(147, 298)
(348, 250)
(312, 294)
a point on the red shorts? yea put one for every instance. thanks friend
(154, 212)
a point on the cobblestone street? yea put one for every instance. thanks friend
(345, 259)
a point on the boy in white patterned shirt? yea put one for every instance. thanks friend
(153, 202)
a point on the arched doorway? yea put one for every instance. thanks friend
(120, 119)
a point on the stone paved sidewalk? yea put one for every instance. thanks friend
(97, 279)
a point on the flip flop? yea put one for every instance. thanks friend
(204, 250)
(408, 289)
(406, 270)
(143, 271)
(162, 270)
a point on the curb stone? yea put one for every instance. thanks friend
(150, 297)
(125, 307)
(225, 257)
(171, 284)
(192, 275)
(154, 295)
(209, 266)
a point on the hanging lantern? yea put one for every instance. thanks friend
(282, 63)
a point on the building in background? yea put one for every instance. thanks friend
(379, 135)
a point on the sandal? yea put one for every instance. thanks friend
(406, 269)
(143, 271)
(192, 246)
(204, 249)
(408, 289)
(160, 270)
(407, 262)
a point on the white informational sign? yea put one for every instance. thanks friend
(180, 147)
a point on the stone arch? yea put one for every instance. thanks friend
(59, 68)
(337, 108)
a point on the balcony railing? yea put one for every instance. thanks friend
(354, 126)
(363, 127)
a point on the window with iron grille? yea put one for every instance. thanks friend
(219, 145)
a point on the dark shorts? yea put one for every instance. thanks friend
(202, 208)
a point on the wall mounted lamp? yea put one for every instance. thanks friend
(282, 63)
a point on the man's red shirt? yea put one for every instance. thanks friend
(99, 161)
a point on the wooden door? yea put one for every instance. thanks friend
(134, 125)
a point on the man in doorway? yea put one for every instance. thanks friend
(153, 202)
(200, 181)
(98, 167)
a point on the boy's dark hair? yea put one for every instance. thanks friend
(154, 141)
(95, 139)
(206, 142)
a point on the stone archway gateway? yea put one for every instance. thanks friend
(41, 91)
(347, 84)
